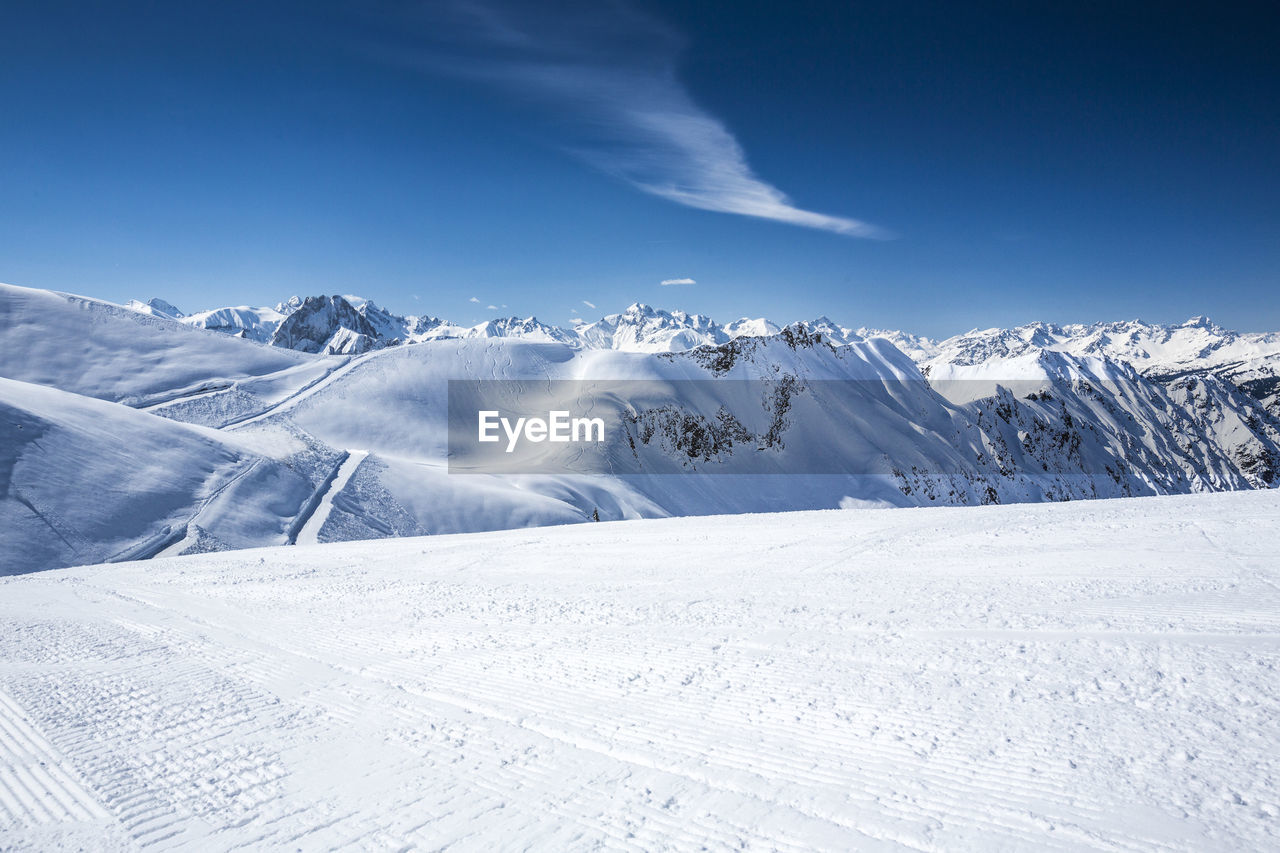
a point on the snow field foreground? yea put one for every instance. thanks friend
(1092, 675)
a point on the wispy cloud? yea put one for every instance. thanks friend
(491, 307)
(667, 282)
(608, 72)
(473, 299)
(588, 304)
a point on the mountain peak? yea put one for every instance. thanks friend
(327, 324)
(156, 307)
(159, 305)
(1200, 321)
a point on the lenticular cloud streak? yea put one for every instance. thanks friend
(609, 81)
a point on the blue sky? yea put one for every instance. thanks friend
(926, 166)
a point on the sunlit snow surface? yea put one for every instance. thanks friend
(1092, 675)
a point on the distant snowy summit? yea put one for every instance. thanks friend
(1248, 360)
(156, 308)
(1142, 344)
(345, 325)
(350, 324)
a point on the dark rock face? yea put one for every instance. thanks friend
(316, 323)
(720, 358)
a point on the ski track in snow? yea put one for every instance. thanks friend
(1093, 675)
(302, 393)
(34, 786)
(310, 530)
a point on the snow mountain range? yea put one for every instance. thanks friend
(133, 431)
(349, 325)
(345, 325)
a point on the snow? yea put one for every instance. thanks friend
(861, 427)
(107, 351)
(1250, 361)
(255, 324)
(309, 532)
(1091, 675)
(157, 307)
(1197, 344)
(639, 328)
(642, 328)
(751, 327)
(91, 481)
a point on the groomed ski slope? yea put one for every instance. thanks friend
(1092, 675)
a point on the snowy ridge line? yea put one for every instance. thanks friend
(351, 324)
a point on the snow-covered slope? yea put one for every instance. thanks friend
(762, 424)
(750, 424)
(1231, 420)
(1085, 676)
(1048, 409)
(851, 418)
(107, 351)
(87, 481)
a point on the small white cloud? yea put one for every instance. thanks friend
(473, 299)
(670, 281)
(577, 321)
(491, 307)
(415, 297)
(588, 304)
